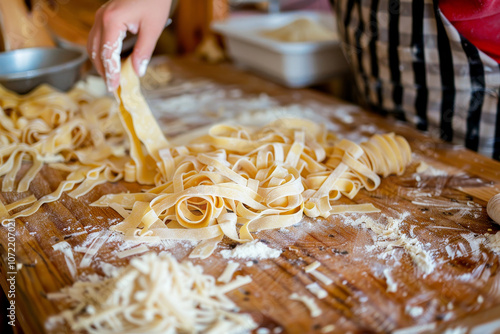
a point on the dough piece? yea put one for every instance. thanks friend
(301, 30)
(314, 310)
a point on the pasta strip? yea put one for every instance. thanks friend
(205, 248)
(54, 196)
(22, 202)
(314, 310)
(228, 273)
(140, 125)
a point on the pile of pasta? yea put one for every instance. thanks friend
(237, 180)
(230, 182)
(75, 132)
(153, 294)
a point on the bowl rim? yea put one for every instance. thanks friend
(82, 56)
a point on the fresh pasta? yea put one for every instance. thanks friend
(153, 294)
(74, 132)
(237, 180)
(231, 182)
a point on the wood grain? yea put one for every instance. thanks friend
(358, 300)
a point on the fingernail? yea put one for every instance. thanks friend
(143, 67)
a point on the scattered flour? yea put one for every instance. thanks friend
(475, 243)
(228, 101)
(389, 236)
(251, 250)
(433, 171)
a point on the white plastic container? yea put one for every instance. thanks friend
(292, 64)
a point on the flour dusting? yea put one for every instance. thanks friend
(251, 250)
(493, 242)
(389, 236)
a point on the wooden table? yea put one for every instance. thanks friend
(461, 291)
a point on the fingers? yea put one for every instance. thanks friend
(112, 41)
(112, 21)
(145, 45)
(149, 31)
(105, 44)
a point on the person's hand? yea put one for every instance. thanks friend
(146, 18)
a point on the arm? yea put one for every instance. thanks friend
(146, 18)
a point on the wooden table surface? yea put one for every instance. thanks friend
(463, 290)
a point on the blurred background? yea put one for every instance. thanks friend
(71, 20)
(191, 30)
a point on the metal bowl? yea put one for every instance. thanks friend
(23, 70)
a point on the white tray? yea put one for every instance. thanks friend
(292, 64)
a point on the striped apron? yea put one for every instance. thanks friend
(410, 62)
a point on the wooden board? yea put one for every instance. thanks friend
(461, 291)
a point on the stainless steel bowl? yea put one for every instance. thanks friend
(24, 69)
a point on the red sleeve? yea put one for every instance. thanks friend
(476, 20)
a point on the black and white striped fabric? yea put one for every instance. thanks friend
(409, 61)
